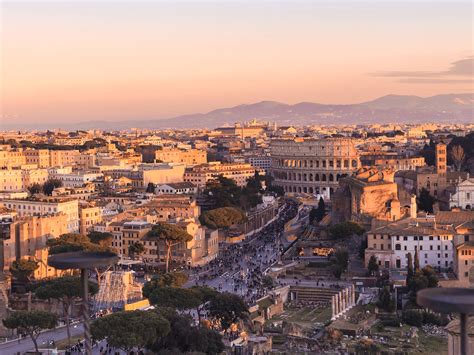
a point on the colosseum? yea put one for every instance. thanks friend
(311, 165)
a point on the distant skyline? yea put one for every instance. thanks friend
(80, 61)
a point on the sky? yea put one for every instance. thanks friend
(123, 60)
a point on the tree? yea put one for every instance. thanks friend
(223, 217)
(179, 298)
(410, 272)
(64, 289)
(170, 279)
(362, 246)
(373, 266)
(70, 242)
(424, 278)
(136, 249)
(413, 317)
(385, 301)
(103, 239)
(227, 308)
(345, 229)
(425, 201)
(31, 323)
(184, 338)
(171, 235)
(23, 269)
(416, 261)
(321, 211)
(150, 188)
(268, 282)
(35, 188)
(341, 257)
(457, 155)
(128, 330)
(50, 185)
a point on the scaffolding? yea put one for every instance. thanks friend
(117, 288)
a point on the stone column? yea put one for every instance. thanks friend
(338, 304)
(333, 306)
(353, 295)
(343, 301)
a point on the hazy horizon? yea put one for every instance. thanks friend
(117, 61)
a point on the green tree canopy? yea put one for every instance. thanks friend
(130, 330)
(136, 249)
(227, 308)
(31, 323)
(223, 217)
(72, 242)
(50, 185)
(35, 188)
(23, 269)
(385, 301)
(171, 235)
(317, 214)
(373, 265)
(103, 239)
(184, 338)
(170, 279)
(425, 201)
(345, 229)
(64, 289)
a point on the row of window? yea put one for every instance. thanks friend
(339, 163)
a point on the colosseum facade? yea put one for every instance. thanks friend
(311, 165)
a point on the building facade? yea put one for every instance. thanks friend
(47, 206)
(199, 175)
(310, 165)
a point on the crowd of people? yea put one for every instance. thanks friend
(240, 268)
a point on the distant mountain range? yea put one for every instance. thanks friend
(386, 109)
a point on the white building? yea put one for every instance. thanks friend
(263, 162)
(463, 196)
(391, 243)
(176, 188)
(78, 179)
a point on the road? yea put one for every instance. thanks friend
(26, 344)
(241, 267)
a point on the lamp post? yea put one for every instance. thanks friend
(450, 300)
(84, 261)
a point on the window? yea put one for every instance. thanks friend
(398, 247)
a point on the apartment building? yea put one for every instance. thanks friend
(19, 179)
(181, 156)
(89, 216)
(169, 207)
(199, 175)
(46, 206)
(25, 237)
(199, 251)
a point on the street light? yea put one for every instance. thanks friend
(450, 300)
(84, 261)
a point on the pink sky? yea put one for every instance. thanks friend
(118, 60)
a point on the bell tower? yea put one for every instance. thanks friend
(441, 159)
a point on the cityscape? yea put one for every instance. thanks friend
(236, 177)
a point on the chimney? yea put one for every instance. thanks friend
(413, 211)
